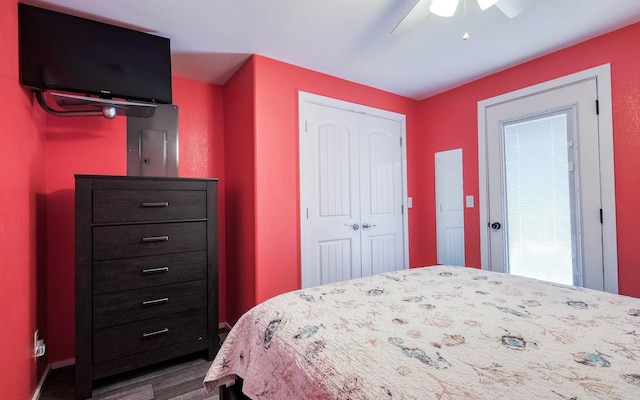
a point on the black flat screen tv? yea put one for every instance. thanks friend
(68, 53)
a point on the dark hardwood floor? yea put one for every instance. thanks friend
(177, 379)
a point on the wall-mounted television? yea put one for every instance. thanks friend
(68, 53)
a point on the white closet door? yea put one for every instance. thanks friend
(351, 194)
(331, 179)
(381, 195)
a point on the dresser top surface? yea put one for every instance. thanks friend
(151, 178)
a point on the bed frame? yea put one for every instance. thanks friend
(233, 392)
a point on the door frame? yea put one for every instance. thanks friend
(607, 176)
(306, 97)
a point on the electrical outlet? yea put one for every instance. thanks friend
(39, 348)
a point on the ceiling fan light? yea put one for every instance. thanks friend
(444, 8)
(484, 4)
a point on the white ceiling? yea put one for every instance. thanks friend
(352, 39)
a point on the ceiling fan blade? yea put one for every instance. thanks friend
(513, 8)
(413, 18)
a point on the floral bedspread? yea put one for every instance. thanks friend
(436, 333)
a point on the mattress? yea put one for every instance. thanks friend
(437, 332)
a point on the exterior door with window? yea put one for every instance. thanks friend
(544, 186)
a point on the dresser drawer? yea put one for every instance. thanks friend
(141, 272)
(135, 305)
(123, 340)
(112, 205)
(125, 241)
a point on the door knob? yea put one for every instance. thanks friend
(355, 227)
(495, 226)
(367, 226)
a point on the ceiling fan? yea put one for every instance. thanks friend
(446, 8)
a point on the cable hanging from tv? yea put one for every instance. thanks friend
(71, 105)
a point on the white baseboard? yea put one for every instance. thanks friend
(63, 363)
(36, 394)
(224, 325)
(51, 367)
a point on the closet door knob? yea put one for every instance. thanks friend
(355, 227)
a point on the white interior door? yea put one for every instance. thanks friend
(544, 186)
(381, 209)
(449, 207)
(352, 194)
(332, 180)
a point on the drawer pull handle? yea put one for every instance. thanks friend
(155, 333)
(156, 301)
(155, 270)
(155, 239)
(156, 204)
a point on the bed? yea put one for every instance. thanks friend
(436, 332)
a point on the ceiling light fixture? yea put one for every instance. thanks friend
(444, 8)
(447, 8)
(466, 33)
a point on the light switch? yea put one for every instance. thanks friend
(469, 200)
(409, 202)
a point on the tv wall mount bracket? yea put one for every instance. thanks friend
(71, 105)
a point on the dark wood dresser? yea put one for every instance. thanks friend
(146, 273)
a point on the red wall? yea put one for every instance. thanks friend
(39, 155)
(22, 221)
(266, 167)
(247, 134)
(449, 120)
(202, 153)
(239, 104)
(94, 145)
(277, 179)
